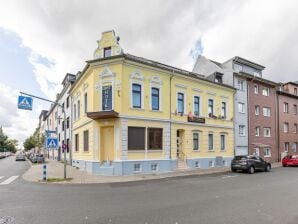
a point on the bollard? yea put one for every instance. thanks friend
(44, 171)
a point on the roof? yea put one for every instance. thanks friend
(246, 62)
(293, 83)
(260, 79)
(150, 63)
(286, 94)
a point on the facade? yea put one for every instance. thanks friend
(42, 124)
(287, 100)
(133, 115)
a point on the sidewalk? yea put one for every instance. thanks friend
(55, 170)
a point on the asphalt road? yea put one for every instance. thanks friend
(233, 198)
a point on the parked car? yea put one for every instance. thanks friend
(36, 158)
(290, 160)
(20, 157)
(250, 164)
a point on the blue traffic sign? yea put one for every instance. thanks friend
(52, 143)
(25, 103)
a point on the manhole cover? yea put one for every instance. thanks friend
(6, 220)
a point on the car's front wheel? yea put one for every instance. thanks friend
(268, 168)
(251, 170)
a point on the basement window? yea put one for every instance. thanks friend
(154, 167)
(137, 168)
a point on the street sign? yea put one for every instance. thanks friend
(52, 143)
(50, 132)
(25, 103)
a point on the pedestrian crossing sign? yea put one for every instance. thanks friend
(52, 143)
(25, 103)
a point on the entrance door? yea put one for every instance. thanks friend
(178, 141)
(107, 144)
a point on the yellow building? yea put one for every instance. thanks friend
(133, 115)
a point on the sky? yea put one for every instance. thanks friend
(42, 40)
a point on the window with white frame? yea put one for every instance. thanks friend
(286, 108)
(241, 130)
(266, 91)
(210, 142)
(267, 132)
(266, 111)
(240, 84)
(222, 142)
(257, 110)
(294, 147)
(295, 128)
(257, 131)
(197, 164)
(286, 147)
(136, 95)
(79, 109)
(196, 143)
(241, 107)
(180, 103)
(211, 163)
(210, 107)
(196, 105)
(224, 110)
(154, 167)
(267, 152)
(155, 98)
(286, 127)
(256, 88)
(137, 167)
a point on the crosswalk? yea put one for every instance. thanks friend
(7, 180)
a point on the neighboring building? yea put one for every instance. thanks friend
(51, 126)
(255, 104)
(42, 125)
(133, 115)
(287, 100)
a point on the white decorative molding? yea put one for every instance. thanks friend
(106, 73)
(136, 75)
(197, 90)
(85, 86)
(124, 139)
(211, 93)
(156, 80)
(224, 97)
(181, 86)
(167, 141)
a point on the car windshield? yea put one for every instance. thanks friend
(240, 157)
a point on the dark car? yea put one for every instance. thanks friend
(20, 157)
(249, 164)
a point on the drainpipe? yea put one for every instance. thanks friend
(171, 77)
(277, 123)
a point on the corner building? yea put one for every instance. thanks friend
(133, 115)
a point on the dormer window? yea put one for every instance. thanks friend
(218, 78)
(107, 52)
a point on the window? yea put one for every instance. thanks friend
(63, 126)
(136, 138)
(241, 130)
(210, 107)
(286, 108)
(154, 167)
(240, 85)
(210, 142)
(67, 102)
(154, 138)
(196, 106)
(85, 102)
(266, 91)
(136, 96)
(67, 145)
(266, 111)
(257, 131)
(295, 109)
(238, 67)
(257, 110)
(224, 163)
(218, 78)
(294, 147)
(107, 52)
(180, 103)
(256, 88)
(155, 99)
(76, 142)
(295, 91)
(86, 141)
(63, 106)
(295, 128)
(195, 137)
(67, 122)
(74, 112)
(267, 132)
(211, 163)
(286, 147)
(241, 107)
(59, 137)
(286, 127)
(79, 109)
(137, 167)
(106, 97)
(197, 164)
(222, 142)
(267, 152)
(223, 110)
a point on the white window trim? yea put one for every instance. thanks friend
(287, 128)
(199, 145)
(155, 82)
(184, 99)
(157, 167)
(257, 106)
(267, 156)
(137, 78)
(268, 136)
(210, 150)
(225, 146)
(244, 131)
(214, 103)
(268, 109)
(256, 85)
(242, 81)
(243, 104)
(257, 134)
(212, 163)
(266, 88)
(134, 171)
(200, 104)
(227, 109)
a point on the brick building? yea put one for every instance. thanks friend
(287, 100)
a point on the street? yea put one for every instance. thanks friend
(222, 198)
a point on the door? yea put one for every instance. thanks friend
(178, 141)
(107, 144)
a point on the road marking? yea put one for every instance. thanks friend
(9, 180)
(228, 176)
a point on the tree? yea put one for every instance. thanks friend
(7, 144)
(29, 143)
